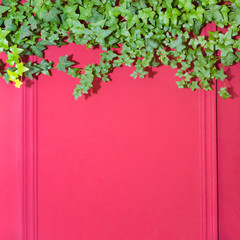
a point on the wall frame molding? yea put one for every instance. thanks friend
(208, 165)
(26, 156)
(27, 162)
(208, 159)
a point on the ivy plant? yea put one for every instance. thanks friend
(143, 34)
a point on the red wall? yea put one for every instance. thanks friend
(229, 159)
(10, 193)
(120, 164)
(135, 160)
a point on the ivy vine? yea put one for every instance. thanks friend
(139, 33)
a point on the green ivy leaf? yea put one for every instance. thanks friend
(64, 63)
(194, 85)
(25, 32)
(31, 70)
(186, 5)
(44, 67)
(21, 69)
(181, 84)
(38, 49)
(178, 44)
(3, 9)
(74, 72)
(220, 75)
(224, 93)
(51, 15)
(77, 92)
(3, 40)
(229, 59)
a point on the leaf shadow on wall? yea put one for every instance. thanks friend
(98, 81)
(29, 82)
(94, 90)
(230, 89)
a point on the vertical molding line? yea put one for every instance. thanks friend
(30, 160)
(19, 159)
(208, 161)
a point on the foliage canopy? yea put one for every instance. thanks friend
(139, 33)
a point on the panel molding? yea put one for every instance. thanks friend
(19, 158)
(208, 165)
(26, 156)
(27, 159)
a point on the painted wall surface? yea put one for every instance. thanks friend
(10, 205)
(135, 159)
(122, 163)
(229, 159)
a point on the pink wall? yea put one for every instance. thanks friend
(135, 160)
(10, 170)
(121, 164)
(229, 159)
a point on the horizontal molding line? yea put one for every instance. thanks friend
(30, 187)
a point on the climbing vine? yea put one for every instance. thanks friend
(139, 33)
